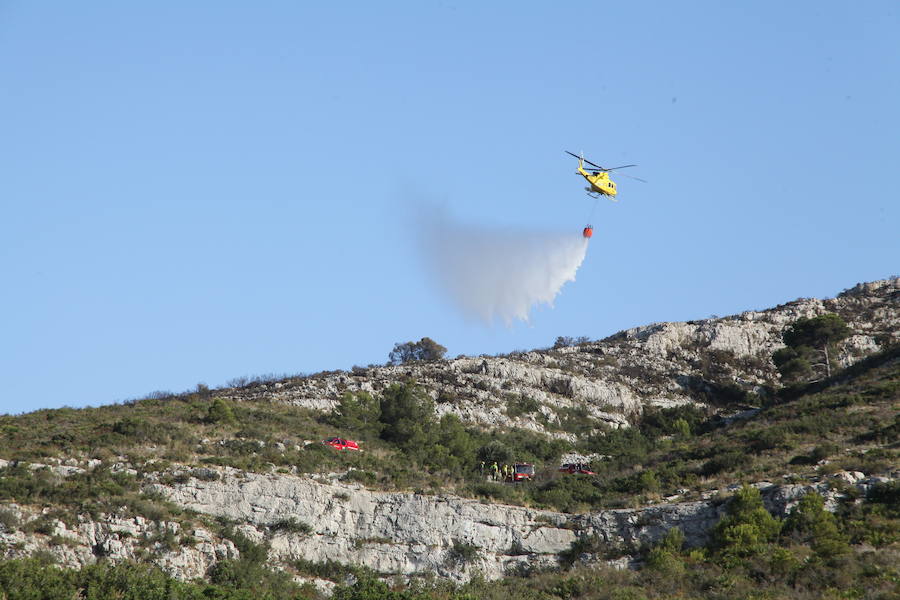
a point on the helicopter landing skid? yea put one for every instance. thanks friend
(598, 195)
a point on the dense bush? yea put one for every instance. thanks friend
(747, 529)
(627, 445)
(9, 521)
(94, 491)
(220, 411)
(331, 570)
(496, 491)
(727, 461)
(31, 579)
(877, 521)
(495, 452)
(520, 404)
(666, 556)
(809, 523)
(250, 571)
(462, 553)
(291, 525)
(639, 482)
(679, 420)
(406, 415)
(570, 493)
(360, 412)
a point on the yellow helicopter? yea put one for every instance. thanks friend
(598, 178)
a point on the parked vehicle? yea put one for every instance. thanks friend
(341, 444)
(523, 472)
(582, 468)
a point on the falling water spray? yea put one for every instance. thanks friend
(493, 273)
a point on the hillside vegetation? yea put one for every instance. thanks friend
(713, 425)
(849, 421)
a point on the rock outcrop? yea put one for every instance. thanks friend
(114, 538)
(392, 533)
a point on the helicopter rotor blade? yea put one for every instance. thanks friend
(595, 165)
(586, 161)
(632, 177)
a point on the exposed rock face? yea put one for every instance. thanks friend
(411, 534)
(391, 533)
(117, 538)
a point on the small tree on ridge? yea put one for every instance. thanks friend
(809, 342)
(424, 349)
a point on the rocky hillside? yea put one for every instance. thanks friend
(662, 364)
(317, 521)
(675, 416)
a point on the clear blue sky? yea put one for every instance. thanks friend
(194, 191)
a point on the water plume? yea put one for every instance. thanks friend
(493, 273)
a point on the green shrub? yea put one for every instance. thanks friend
(794, 363)
(43, 524)
(823, 451)
(31, 579)
(462, 553)
(570, 492)
(729, 460)
(768, 438)
(584, 544)
(886, 494)
(331, 570)
(206, 474)
(809, 523)
(497, 491)
(368, 588)
(291, 525)
(679, 420)
(134, 428)
(9, 520)
(407, 415)
(673, 541)
(877, 520)
(628, 445)
(747, 529)
(521, 404)
(453, 446)
(359, 413)
(360, 476)
(495, 452)
(250, 551)
(220, 412)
